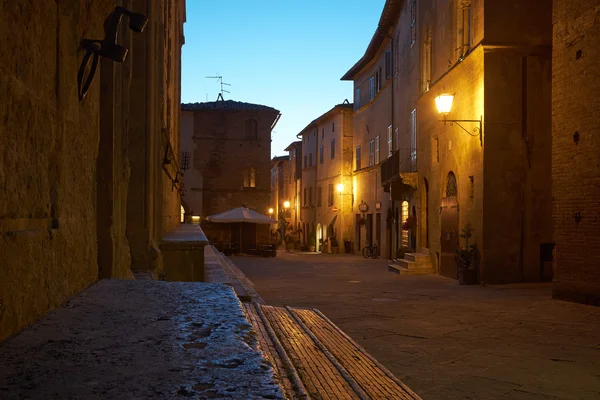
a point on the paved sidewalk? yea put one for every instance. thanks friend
(139, 340)
(443, 340)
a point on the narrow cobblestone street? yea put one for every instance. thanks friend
(444, 340)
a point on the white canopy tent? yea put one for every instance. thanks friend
(241, 215)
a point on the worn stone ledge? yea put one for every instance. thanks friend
(184, 237)
(139, 339)
(183, 253)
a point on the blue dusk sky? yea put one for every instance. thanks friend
(289, 55)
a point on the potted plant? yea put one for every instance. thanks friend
(311, 243)
(467, 258)
(335, 249)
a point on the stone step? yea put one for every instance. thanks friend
(397, 269)
(419, 257)
(242, 286)
(414, 264)
(424, 250)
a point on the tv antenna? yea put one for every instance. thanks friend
(220, 79)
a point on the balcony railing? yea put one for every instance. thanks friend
(402, 160)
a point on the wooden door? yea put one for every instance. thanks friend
(449, 239)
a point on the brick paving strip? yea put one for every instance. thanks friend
(327, 362)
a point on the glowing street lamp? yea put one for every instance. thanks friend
(444, 105)
(286, 204)
(340, 187)
(270, 211)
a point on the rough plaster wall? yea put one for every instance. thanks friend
(517, 211)
(458, 152)
(575, 167)
(47, 168)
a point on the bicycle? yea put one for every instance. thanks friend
(370, 251)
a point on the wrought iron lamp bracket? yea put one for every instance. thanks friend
(477, 130)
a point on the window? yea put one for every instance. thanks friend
(330, 195)
(371, 152)
(310, 197)
(305, 203)
(390, 141)
(413, 138)
(413, 22)
(377, 150)
(427, 61)
(357, 99)
(322, 133)
(371, 88)
(463, 31)
(332, 149)
(321, 149)
(388, 64)
(319, 195)
(333, 126)
(357, 157)
(305, 165)
(251, 129)
(310, 160)
(249, 177)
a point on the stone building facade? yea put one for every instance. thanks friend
(86, 193)
(576, 150)
(327, 162)
(229, 143)
(495, 58)
(295, 183)
(280, 175)
(384, 142)
(499, 74)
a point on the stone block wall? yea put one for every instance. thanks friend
(576, 150)
(72, 173)
(49, 149)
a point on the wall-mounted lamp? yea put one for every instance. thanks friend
(286, 204)
(106, 47)
(444, 105)
(340, 187)
(270, 211)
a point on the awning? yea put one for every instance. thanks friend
(241, 214)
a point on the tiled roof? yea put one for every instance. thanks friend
(225, 105)
(345, 104)
(389, 16)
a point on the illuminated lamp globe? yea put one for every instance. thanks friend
(286, 204)
(444, 103)
(270, 211)
(340, 187)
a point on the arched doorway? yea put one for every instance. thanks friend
(404, 218)
(426, 214)
(319, 237)
(449, 231)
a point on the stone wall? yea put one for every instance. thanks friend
(47, 171)
(576, 150)
(517, 164)
(220, 154)
(67, 165)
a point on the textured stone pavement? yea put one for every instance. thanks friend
(443, 340)
(139, 340)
